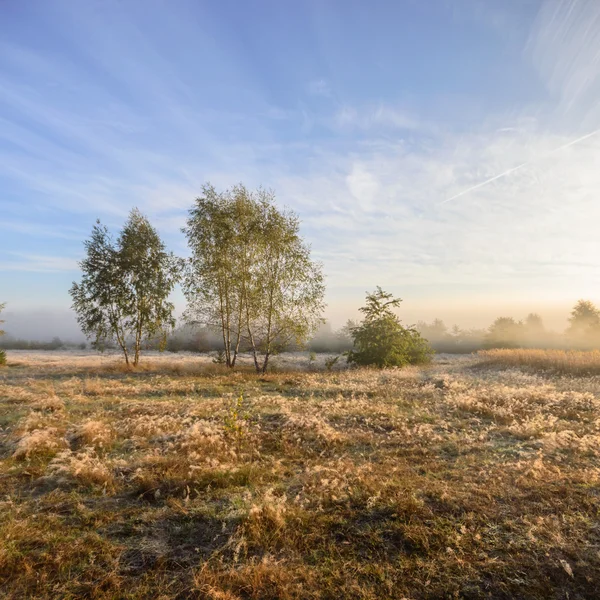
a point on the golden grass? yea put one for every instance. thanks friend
(576, 362)
(442, 482)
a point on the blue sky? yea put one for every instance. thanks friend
(368, 119)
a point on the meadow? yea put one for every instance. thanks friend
(473, 477)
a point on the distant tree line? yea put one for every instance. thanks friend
(583, 333)
(9, 342)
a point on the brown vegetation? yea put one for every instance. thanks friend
(178, 483)
(576, 362)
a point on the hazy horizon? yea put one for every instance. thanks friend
(43, 324)
(446, 151)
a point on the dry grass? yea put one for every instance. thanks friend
(445, 482)
(576, 362)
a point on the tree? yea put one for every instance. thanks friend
(504, 332)
(250, 274)
(285, 298)
(434, 331)
(584, 322)
(534, 324)
(222, 233)
(124, 290)
(382, 340)
(344, 335)
(2, 306)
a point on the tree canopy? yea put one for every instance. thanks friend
(584, 322)
(250, 274)
(123, 294)
(381, 339)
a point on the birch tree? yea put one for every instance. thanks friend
(221, 231)
(287, 287)
(250, 274)
(123, 294)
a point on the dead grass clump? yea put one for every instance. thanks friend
(268, 512)
(51, 403)
(34, 420)
(150, 426)
(84, 467)
(18, 394)
(305, 426)
(260, 577)
(204, 440)
(93, 432)
(38, 442)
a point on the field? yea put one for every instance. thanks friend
(573, 362)
(464, 479)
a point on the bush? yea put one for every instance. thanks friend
(2, 358)
(381, 340)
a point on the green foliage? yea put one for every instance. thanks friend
(381, 340)
(10, 343)
(236, 421)
(331, 362)
(505, 332)
(584, 322)
(534, 325)
(250, 274)
(124, 290)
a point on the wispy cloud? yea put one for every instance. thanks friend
(376, 117)
(319, 87)
(564, 48)
(522, 165)
(38, 263)
(117, 107)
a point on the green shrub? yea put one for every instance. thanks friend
(2, 358)
(382, 341)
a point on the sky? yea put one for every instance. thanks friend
(448, 151)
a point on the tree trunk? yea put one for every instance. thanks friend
(138, 341)
(253, 345)
(224, 326)
(236, 349)
(265, 363)
(123, 346)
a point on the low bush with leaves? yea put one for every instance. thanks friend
(382, 341)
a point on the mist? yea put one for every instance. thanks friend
(46, 323)
(42, 325)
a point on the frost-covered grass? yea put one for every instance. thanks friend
(180, 480)
(154, 361)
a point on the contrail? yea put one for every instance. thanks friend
(513, 169)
